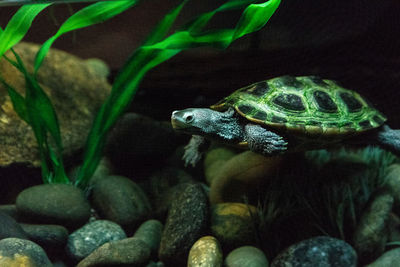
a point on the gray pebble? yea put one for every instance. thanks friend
(85, 240)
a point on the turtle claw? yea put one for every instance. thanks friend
(263, 141)
(275, 146)
(192, 154)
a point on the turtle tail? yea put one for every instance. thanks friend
(389, 139)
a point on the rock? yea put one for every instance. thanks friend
(160, 187)
(119, 199)
(150, 232)
(372, 231)
(137, 140)
(390, 258)
(234, 224)
(46, 235)
(10, 228)
(85, 240)
(155, 264)
(393, 183)
(241, 176)
(129, 251)
(103, 169)
(205, 252)
(75, 89)
(186, 222)
(394, 228)
(246, 256)
(98, 66)
(10, 210)
(320, 251)
(54, 204)
(20, 252)
(214, 159)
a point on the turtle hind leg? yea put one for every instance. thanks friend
(263, 141)
(389, 139)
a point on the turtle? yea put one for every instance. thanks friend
(286, 114)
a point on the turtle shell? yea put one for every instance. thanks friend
(308, 106)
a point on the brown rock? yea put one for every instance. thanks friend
(214, 159)
(390, 258)
(75, 89)
(372, 231)
(241, 175)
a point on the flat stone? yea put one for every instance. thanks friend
(129, 251)
(21, 252)
(86, 239)
(53, 204)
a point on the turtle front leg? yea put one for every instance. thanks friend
(193, 150)
(263, 141)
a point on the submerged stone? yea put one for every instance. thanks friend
(320, 251)
(53, 204)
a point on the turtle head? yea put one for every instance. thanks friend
(200, 121)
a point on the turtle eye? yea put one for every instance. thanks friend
(189, 118)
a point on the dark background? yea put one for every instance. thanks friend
(353, 41)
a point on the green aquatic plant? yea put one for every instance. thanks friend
(158, 48)
(36, 108)
(341, 185)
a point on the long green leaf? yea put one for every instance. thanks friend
(18, 26)
(90, 15)
(17, 100)
(42, 117)
(254, 18)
